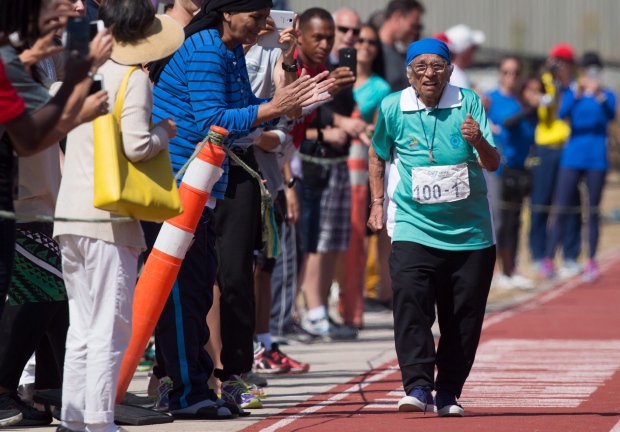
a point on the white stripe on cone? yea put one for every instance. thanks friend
(173, 241)
(202, 175)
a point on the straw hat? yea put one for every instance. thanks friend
(162, 39)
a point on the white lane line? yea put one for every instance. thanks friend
(513, 373)
(616, 428)
(353, 389)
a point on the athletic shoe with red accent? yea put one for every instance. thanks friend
(294, 365)
(269, 362)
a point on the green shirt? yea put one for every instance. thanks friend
(369, 96)
(399, 136)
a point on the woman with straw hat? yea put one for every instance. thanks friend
(100, 259)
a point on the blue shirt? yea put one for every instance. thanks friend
(587, 145)
(513, 143)
(206, 84)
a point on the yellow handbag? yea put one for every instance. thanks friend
(143, 190)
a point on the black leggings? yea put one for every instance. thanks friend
(44, 325)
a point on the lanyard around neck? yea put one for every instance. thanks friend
(432, 142)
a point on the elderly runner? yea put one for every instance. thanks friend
(438, 140)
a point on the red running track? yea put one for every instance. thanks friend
(551, 364)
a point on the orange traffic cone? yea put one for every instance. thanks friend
(352, 294)
(163, 264)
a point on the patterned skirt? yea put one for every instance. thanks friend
(37, 272)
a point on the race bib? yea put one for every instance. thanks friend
(440, 184)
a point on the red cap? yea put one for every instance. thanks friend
(444, 38)
(563, 51)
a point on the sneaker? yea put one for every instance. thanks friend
(9, 417)
(162, 401)
(503, 282)
(259, 349)
(522, 282)
(233, 408)
(148, 359)
(295, 333)
(328, 330)
(569, 269)
(293, 365)
(253, 378)
(547, 271)
(418, 399)
(591, 272)
(447, 406)
(30, 415)
(235, 391)
(256, 390)
(271, 362)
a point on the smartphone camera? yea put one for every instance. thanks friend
(594, 74)
(97, 84)
(75, 37)
(95, 27)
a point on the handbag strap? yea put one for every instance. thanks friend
(120, 96)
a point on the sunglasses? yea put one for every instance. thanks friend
(510, 72)
(373, 42)
(343, 29)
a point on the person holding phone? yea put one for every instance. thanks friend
(100, 260)
(552, 133)
(37, 283)
(326, 204)
(369, 90)
(30, 133)
(589, 108)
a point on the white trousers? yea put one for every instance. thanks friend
(100, 278)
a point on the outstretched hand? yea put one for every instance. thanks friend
(320, 92)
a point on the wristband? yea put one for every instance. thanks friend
(372, 203)
(290, 68)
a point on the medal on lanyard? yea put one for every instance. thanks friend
(430, 144)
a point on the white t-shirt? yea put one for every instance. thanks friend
(459, 78)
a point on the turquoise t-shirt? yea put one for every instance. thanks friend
(459, 225)
(369, 96)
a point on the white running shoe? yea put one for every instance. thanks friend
(522, 282)
(503, 282)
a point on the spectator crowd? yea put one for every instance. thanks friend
(302, 117)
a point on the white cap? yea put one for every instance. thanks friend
(462, 37)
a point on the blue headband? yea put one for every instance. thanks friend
(428, 46)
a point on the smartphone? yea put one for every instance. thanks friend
(348, 57)
(282, 20)
(594, 74)
(95, 27)
(76, 35)
(97, 84)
